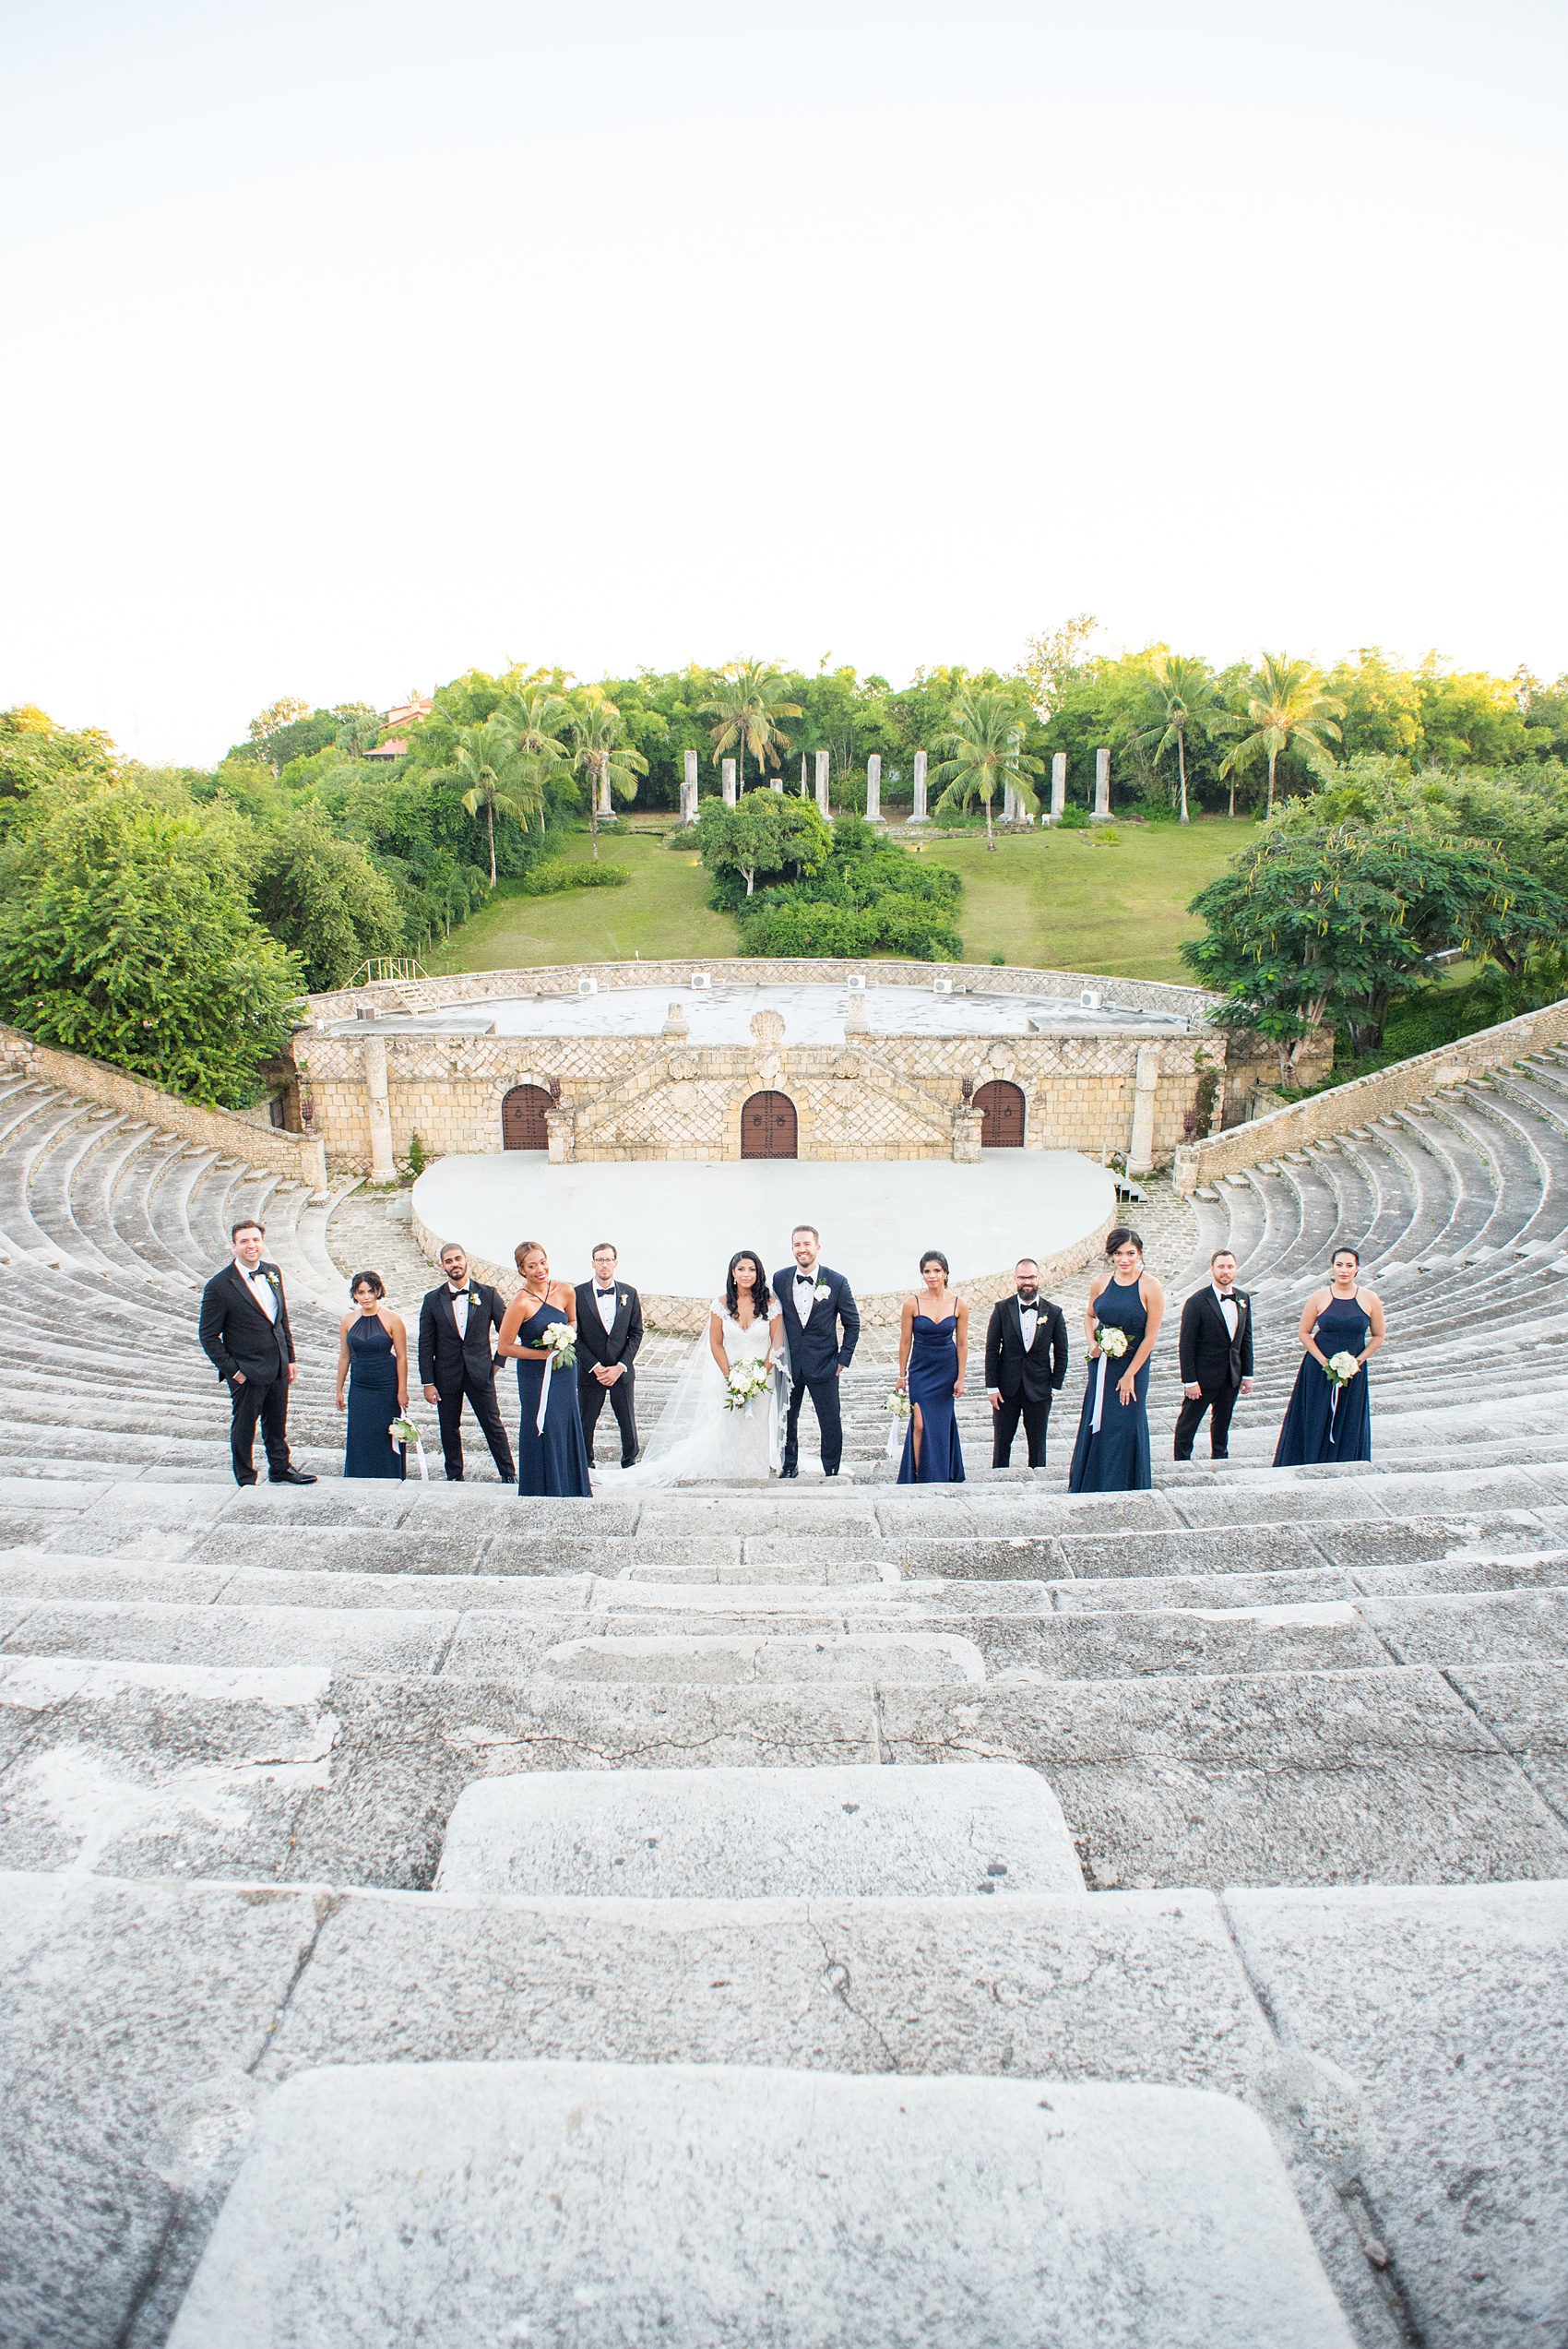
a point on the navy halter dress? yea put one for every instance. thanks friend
(1323, 1422)
(1114, 1458)
(368, 1449)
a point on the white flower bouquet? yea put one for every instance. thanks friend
(1112, 1341)
(746, 1380)
(1340, 1368)
(898, 1404)
(403, 1431)
(560, 1344)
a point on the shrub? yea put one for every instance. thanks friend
(418, 1159)
(556, 873)
(1073, 818)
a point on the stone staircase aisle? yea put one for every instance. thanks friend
(333, 1820)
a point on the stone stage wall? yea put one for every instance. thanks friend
(652, 1097)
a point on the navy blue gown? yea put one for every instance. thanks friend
(373, 1401)
(554, 1462)
(1323, 1422)
(1115, 1459)
(932, 1375)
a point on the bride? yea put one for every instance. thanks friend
(697, 1438)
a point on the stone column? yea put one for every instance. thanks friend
(312, 1162)
(873, 789)
(1009, 800)
(728, 772)
(558, 1125)
(689, 790)
(920, 816)
(1102, 787)
(775, 780)
(966, 1125)
(1058, 786)
(1140, 1150)
(606, 812)
(822, 784)
(373, 1055)
(805, 787)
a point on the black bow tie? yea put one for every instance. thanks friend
(809, 1278)
(603, 1293)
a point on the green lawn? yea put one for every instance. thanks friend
(1064, 900)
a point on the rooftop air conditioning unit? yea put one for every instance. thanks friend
(1091, 999)
(701, 980)
(365, 1011)
(856, 984)
(942, 986)
(587, 987)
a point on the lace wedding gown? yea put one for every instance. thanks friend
(697, 1438)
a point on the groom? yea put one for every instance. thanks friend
(814, 1303)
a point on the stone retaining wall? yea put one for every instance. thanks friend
(254, 1145)
(1386, 1089)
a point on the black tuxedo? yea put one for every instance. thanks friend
(597, 1345)
(816, 1354)
(1024, 1377)
(1214, 1362)
(236, 1335)
(463, 1366)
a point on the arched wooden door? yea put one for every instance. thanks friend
(522, 1118)
(769, 1128)
(1001, 1107)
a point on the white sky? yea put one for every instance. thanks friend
(348, 345)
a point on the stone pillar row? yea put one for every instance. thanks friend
(1012, 807)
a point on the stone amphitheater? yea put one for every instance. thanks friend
(432, 1917)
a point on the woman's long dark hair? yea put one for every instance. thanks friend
(761, 1299)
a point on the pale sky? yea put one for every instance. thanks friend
(348, 346)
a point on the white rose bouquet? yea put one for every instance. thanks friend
(560, 1344)
(746, 1380)
(1340, 1368)
(898, 1404)
(1112, 1341)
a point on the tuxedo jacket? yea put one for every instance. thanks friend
(815, 1347)
(1010, 1368)
(1210, 1356)
(444, 1358)
(236, 1335)
(624, 1335)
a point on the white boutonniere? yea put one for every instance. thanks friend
(270, 1276)
(622, 1298)
(821, 1290)
(473, 1296)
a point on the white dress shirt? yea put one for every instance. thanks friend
(260, 1288)
(1028, 1322)
(606, 1308)
(1227, 1305)
(805, 1295)
(459, 1308)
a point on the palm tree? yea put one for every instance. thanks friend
(1287, 710)
(602, 756)
(496, 773)
(747, 706)
(985, 748)
(1182, 694)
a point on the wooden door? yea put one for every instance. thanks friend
(522, 1118)
(769, 1128)
(1001, 1107)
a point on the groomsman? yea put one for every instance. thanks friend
(1217, 1356)
(457, 1362)
(1026, 1361)
(244, 1334)
(609, 1330)
(816, 1304)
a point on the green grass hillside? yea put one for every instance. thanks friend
(1070, 900)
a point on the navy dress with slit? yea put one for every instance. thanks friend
(932, 1375)
(368, 1449)
(1114, 1457)
(1325, 1422)
(552, 1459)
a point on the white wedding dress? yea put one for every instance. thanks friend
(696, 1438)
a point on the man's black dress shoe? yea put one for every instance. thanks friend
(788, 1472)
(293, 1477)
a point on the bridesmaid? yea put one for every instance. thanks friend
(934, 1352)
(373, 1360)
(1325, 1420)
(1111, 1454)
(552, 1456)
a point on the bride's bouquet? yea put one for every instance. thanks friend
(1340, 1368)
(559, 1341)
(1112, 1341)
(746, 1380)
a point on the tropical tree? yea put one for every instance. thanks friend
(601, 755)
(746, 708)
(1287, 710)
(1182, 694)
(984, 749)
(494, 772)
(765, 832)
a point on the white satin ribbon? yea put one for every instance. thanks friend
(1099, 1394)
(545, 1392)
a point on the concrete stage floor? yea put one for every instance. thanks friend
(678, 1222)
